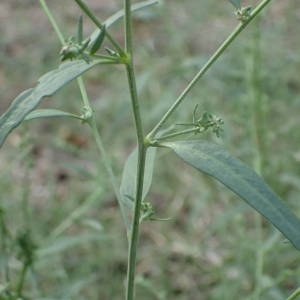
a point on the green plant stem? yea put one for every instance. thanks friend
(135, 7)
(4, 245)
(87, 105)
(100, 56)
(175, 134)
(22, 280)
(134, 234)
(99, 24)
(294, 295)
(52, 21)
(107, 166)
(206, 67)
(83, 92)
(257, 124)
(100, 145)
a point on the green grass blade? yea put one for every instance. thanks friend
(47, 85)
(213, 160)
(49, 113)
(128, 183)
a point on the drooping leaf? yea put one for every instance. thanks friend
(47, 85)
(236, 3)
(213, 160)
(49, 113)
(128, 183)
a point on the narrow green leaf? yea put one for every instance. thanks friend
(129, 179)
(236, 3)
(213, 160)
(98, 42)
(47, 85)
(49, 113)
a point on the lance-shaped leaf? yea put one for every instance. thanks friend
(50, 113)
(129, 179)
(213, 160)
(47, 85)
(98, 42)
(236, 3)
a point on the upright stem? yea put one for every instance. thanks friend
(20, 285)
(133, 243)
(134, 235)
(108, 167)
(4, 245)
(175, 134)
(258, 147)
(99, 143)
(209, 63)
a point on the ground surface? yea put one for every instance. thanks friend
(49, 169)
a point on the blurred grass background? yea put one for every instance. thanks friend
(52, 179)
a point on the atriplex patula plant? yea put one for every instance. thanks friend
(78, 55)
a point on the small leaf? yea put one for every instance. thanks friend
(98, 42)
(47, 85)
(213, 160)
(49, 113)
(128, 184)
(236, 3)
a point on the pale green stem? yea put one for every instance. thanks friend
(294, 295)
(52, 21)
(100, 145)
(254, 67)
(20, 285)
(206, 67)
(86, 103)
(84, 95)
(4, 246)
(100, 56)
(107, 165)
(134, 234)
(135, 7)
(175, 134)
